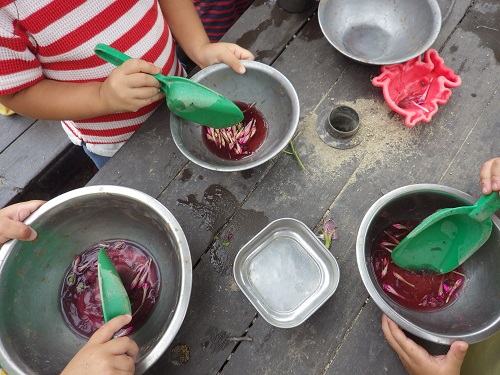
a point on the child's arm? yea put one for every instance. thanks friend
(128, 88)
(189, 33)
(11, 221)
(490, 176)
(416, 360)
(104, 355)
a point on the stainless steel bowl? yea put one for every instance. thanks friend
(275, 97)
(380, 32)
(34, 337)
(286, 272)
(475, 315)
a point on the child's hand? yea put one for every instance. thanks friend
(490, 176)
(11, 225)
(227, 53)
(104, 355)
(416, 360)
(131, 86)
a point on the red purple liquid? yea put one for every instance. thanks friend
(249, 112)
(429, 292)
(80, 298)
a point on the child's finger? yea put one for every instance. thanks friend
(490, 176)
(228, 55)
(123, 345)
(243, 54)
(456, 354)
(15, 229)
(138, 65)
(414, 354)
(151, 93)
(143, 80)
(20, 211)
(106, 332)
(233, 62)
(391, 340)
(485, 176)
(123, 364)
(495, 174)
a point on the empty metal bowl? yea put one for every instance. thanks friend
(274, 96)
(475, 315)
(34, 336)
(286, 272)
(380, 32)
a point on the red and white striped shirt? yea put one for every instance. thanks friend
(55, 39)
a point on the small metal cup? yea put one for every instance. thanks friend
(343, 122)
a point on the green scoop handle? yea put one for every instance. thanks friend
(447, 238)
(114, 297)
(486, 206)
(186, 98)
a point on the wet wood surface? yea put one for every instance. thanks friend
(344, 335)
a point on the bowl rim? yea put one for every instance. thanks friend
(437, 22)
(445, 339)
(279, 146)
(178, 235)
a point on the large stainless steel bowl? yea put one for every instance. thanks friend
(475, 315)
(275, 97)
(34, 338)
(380, 32)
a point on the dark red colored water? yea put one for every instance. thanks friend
(428, 292)
(249, 112)
(80, 298)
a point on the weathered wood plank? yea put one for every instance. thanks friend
(265, 29)
(28, 156)
(204, 201)
(314, 73)
(365, 349)
(11, 127)
(149, 161)
(453, 17)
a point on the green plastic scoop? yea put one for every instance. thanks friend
(114, 297)
(445, 239)
(186, 98)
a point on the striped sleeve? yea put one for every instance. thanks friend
(19, 66)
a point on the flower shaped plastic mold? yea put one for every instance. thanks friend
(415, 88)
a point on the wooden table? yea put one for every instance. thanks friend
(344, 335)
(36, 159)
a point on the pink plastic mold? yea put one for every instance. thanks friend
(415, 88)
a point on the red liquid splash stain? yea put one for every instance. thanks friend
(428, 292)
(250, 112)
(80, 298)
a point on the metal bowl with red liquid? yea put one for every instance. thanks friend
(35, 335)
(277, 110)
(417, 290)
(471, 312)
(80, 296)
(241, 140)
